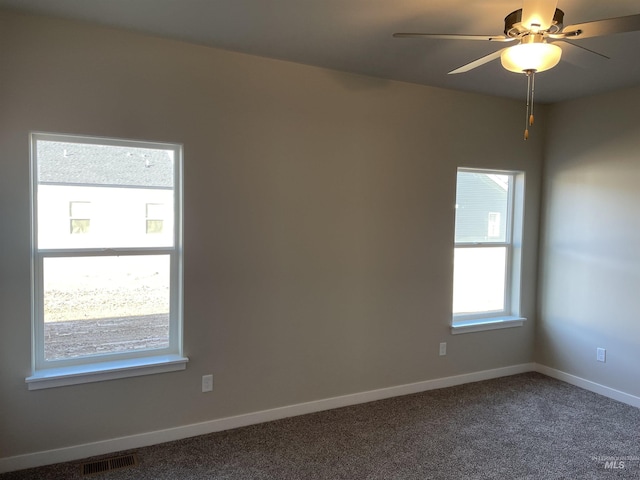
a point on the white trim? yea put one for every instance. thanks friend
(513, 244)
(78, 452)
(483, 324)
(98, 372)
(70, 371)
(589, 385)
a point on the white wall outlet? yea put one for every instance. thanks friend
(207, 383)
(443, 348)
(601, 354)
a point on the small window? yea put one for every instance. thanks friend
(155, 218)
(488, 230)
(80, 217)
(109, 301)
(493, 227)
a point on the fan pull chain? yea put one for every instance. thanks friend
(533, 88)
(526, 115)
(531, 85)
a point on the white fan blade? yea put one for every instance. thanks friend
(490, 38)
(581, 57)
(571, 45)
(598, 28)
(478, 62)
(538, 14)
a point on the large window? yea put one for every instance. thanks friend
(488, 230)
(107, 295)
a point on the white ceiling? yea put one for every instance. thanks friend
(355, 36)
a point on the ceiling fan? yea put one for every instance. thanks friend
(535, 29)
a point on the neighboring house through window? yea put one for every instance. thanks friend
(107, 297)
(488, 236)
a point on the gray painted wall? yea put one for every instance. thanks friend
(590, 245)
(319, 219)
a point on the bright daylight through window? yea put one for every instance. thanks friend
(488, 231)
(107, 267)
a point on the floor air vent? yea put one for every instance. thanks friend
(108, 464)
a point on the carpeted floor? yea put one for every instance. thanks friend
(525, 426)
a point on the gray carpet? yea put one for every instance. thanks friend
(525, 426)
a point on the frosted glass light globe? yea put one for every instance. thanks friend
(531, 56)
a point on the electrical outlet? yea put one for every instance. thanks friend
(207, 383)
(443, 348)
(601, 355)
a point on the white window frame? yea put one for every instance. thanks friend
(510, 315)
(55, 373)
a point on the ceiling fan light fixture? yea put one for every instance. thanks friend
(531, 26)
(536, 57)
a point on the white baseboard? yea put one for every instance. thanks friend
(589, 385)
(77, 452)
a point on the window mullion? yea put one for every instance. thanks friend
(482, 245)
(105, 252)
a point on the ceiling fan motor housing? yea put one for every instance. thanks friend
(513, 23)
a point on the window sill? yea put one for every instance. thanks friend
(484, 324)
(98, 372)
